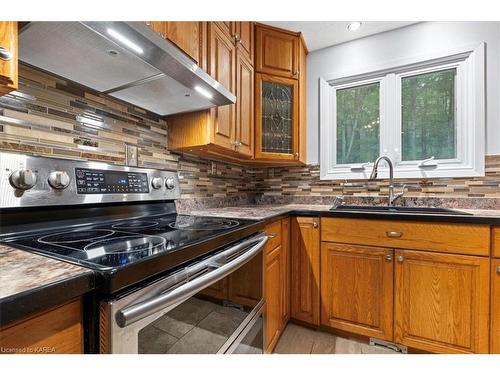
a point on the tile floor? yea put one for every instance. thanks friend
(196, 326)
(199, 326)
(300, 340)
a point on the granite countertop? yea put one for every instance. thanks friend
(32, 283)
(267, 212)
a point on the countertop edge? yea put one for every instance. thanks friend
(29, 302)
(275, 213)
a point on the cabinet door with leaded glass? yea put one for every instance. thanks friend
(276, 117)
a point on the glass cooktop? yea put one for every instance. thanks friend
(113, 245)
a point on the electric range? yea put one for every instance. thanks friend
(121, 222)
(123, 252)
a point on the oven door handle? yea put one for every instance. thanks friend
(135, 312)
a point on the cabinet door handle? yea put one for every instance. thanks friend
(393, 234)
(5, 54)
(400, 258)
(315, 225)
(498, 270)
(272, 235)
(388, 257)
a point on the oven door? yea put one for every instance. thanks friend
(212, 306)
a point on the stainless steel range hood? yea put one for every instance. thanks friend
(126, 60)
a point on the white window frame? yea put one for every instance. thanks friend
(470, 115)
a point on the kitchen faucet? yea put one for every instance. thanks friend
(392, 197)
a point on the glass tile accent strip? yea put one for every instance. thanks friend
(277, 107)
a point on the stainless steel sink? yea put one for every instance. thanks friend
(401, 209)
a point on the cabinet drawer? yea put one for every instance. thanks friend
(442, 237)
(273, 230)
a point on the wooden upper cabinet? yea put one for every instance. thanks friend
(302, 102)
(276, 52)
(221, 66)
(357, 289)
(244, 39)
(442, 302)
(305, 264)
(244, 106)
(225, 132)
(227, 27)
(280, 96)
(276, 118)
(188, 36)
(8, 57)
(495, 307)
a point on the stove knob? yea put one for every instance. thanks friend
(157, 182)
(170, 183)
(59, 180)
(23, 179)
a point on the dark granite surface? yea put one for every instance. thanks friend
(267, 212)
(32, 282)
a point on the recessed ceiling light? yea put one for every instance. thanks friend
(353, 26)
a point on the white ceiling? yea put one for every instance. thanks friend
(321, 34)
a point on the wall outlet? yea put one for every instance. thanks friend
(131, 155)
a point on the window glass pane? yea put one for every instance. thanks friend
(358, 120)
(428, 116)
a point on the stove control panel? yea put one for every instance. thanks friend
(35, 181)
(96, 181)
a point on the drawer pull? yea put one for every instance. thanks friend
(272, 235)
(393, 234)
(315, 225)
(388, 257)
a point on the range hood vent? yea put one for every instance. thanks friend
(125, 60)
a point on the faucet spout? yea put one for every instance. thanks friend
(373, 176)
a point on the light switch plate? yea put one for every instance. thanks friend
(131, 155)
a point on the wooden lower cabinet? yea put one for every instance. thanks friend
(218, 290)
(285, 255)
(55, 331)
(495, 241)
(245, 284)
(276, 281)
(357, 289)
(495, 307)
(305, 258)
(273, 296)
(442, 302)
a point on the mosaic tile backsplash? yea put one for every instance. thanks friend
(49, 116)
